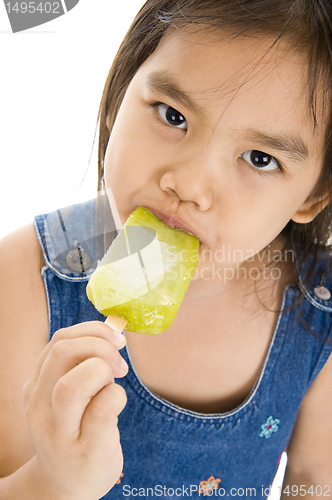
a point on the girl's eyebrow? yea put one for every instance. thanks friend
(162, 83)
(293, 146)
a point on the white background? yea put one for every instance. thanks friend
(52, 78)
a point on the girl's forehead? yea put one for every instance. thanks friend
(218, 64)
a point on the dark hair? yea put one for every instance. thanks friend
(307, 24)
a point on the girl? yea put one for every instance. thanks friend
(216, 116)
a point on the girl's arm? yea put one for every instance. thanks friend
(59, 403)
(23, 336)
(310, 448)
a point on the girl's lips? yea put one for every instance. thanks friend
(171, 220)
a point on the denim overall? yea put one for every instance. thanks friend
(170, 451)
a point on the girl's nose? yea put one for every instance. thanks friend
(189, 184)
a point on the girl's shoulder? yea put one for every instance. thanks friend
(20, 245)
(21, 261)
(309, 451)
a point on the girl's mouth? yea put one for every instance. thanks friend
(172, 220)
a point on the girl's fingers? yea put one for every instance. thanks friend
(87, 329)
(75, 390)
(66, 354)
(99, 423)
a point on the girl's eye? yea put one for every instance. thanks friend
(260, 160)
(172, 116)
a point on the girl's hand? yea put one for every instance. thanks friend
(71, 405)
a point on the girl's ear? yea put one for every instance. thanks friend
(311, 207)
(108, 122)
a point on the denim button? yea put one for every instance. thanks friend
(78, 260)
(322, 292)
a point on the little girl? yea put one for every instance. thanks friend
(216, 116)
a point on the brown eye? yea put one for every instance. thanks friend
(172, 116)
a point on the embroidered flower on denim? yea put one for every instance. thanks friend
(119, 480)
(269, 427)
(207, 486)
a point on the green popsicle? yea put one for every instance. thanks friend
(145, 273)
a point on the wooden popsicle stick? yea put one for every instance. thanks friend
(116, 322)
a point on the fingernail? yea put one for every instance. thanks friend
(124, 364)
(119, 337)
